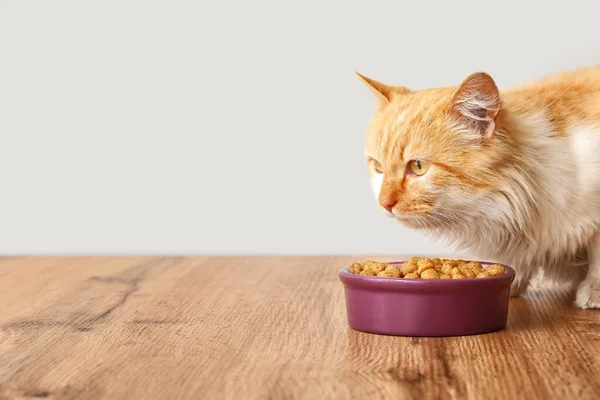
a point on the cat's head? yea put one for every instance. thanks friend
(432, 154)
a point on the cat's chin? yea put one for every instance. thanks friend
(408, 221)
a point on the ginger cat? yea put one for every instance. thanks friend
(510, 175)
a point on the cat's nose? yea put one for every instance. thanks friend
(388, 204)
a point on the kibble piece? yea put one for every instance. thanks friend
(384, 274)
(412, 275)
(468, 272)
(483, 274)
(437, 263)
(447, 267)
(355, 268)
(475, 266)
(408, 268)
(368, 264)
(377, 267)
(374, 266)
(367, 272)
(462, 267)
(456, 273)
(424, 264)
(414, 260)
(393, 271)
(495, 269)
(424, 260)
(445, 276)
(430, 273)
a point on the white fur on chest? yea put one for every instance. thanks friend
(568, 186)
(566, 191)
(585, 148)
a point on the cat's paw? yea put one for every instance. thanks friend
(588, 294)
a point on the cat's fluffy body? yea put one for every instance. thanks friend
(514, 174)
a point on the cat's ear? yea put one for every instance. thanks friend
(477, 100)
(383, 93)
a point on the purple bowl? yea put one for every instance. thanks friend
(420, 307)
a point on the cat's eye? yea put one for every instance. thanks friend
(419, 167)
(377, 167)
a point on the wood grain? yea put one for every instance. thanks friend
(261, 328)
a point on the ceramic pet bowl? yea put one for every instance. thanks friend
(421, 307)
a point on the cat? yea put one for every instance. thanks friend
(509, 175)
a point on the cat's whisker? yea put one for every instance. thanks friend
(434, 215)
(432, 227)
(508, 227)
(452, 218)
(419, 219)
(420, 223)
(450, 227)
(445, 228)
(461, 211)
(473, 220)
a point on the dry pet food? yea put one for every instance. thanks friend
(427, 268)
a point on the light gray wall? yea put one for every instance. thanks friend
(233, 127)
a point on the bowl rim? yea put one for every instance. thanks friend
(390, 283)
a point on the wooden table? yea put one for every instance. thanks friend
(261, 328)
